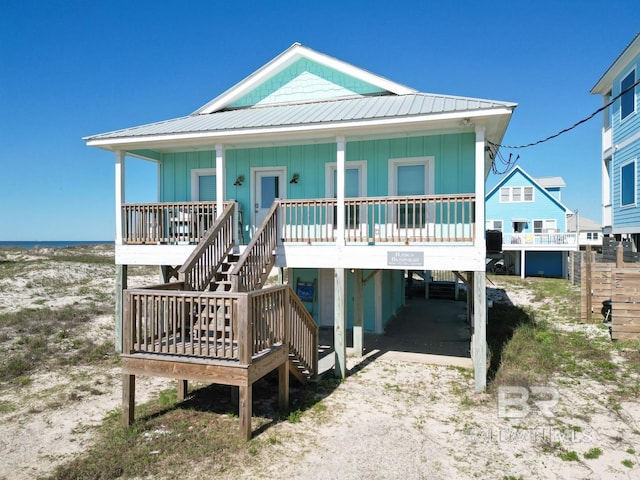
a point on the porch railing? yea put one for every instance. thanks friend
(166, 223)
(201, 266)
(425, 218)
(303, 334)
(258, 258)
(223, 325)
(538, 239)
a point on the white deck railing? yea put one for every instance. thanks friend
(523, 240)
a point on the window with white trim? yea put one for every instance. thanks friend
(516, 194)
(592, 235)
(628, 99)
(494, 225)
(545, 226)
(628, 184)
(203, 184)
(411, 177)
(528, 194)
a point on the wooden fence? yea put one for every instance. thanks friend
(616, 282)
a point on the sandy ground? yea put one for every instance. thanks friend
(56, 411)
(388, 419)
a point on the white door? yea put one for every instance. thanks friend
(268, 185)
(326, 297)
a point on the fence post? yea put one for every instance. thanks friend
(619, 256)
(587, 280)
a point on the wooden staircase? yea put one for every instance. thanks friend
(222, 279)
(213, 266)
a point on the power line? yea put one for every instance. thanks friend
(565, 130)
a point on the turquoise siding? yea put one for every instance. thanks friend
(454, 166)
(392, 292)
(544, 206)
(175, 176)
(627, 218)
(304, 81)
(454, 160)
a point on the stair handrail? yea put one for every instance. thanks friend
(303, 334)
(258, 258)
(201, 266)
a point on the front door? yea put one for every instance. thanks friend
(268, 184)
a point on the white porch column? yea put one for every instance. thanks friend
(340, 185)
(523, 255)
(121, 270)
(119, 176)
(358, 313)
(339, 324)
(479, 340)
(480, 188)
(220, 179)
(378, 301)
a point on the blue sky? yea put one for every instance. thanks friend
(71, 68)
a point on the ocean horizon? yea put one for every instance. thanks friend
(30, 244)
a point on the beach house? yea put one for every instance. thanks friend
(340, 177)
(533, 221)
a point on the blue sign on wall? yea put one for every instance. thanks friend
(305, 291)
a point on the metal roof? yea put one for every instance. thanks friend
(309, 114)
(550, 182)
(585, 224)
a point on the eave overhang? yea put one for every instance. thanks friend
(495, 121)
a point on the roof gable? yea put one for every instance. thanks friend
(305, 81)
(528, 178)
(299, 74)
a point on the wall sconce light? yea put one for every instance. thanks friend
(295, 178)
(239, 181)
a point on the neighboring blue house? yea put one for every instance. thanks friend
(533, 222)
(621, 145)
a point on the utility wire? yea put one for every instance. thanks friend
(497, 146)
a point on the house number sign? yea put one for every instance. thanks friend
(405, 259)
